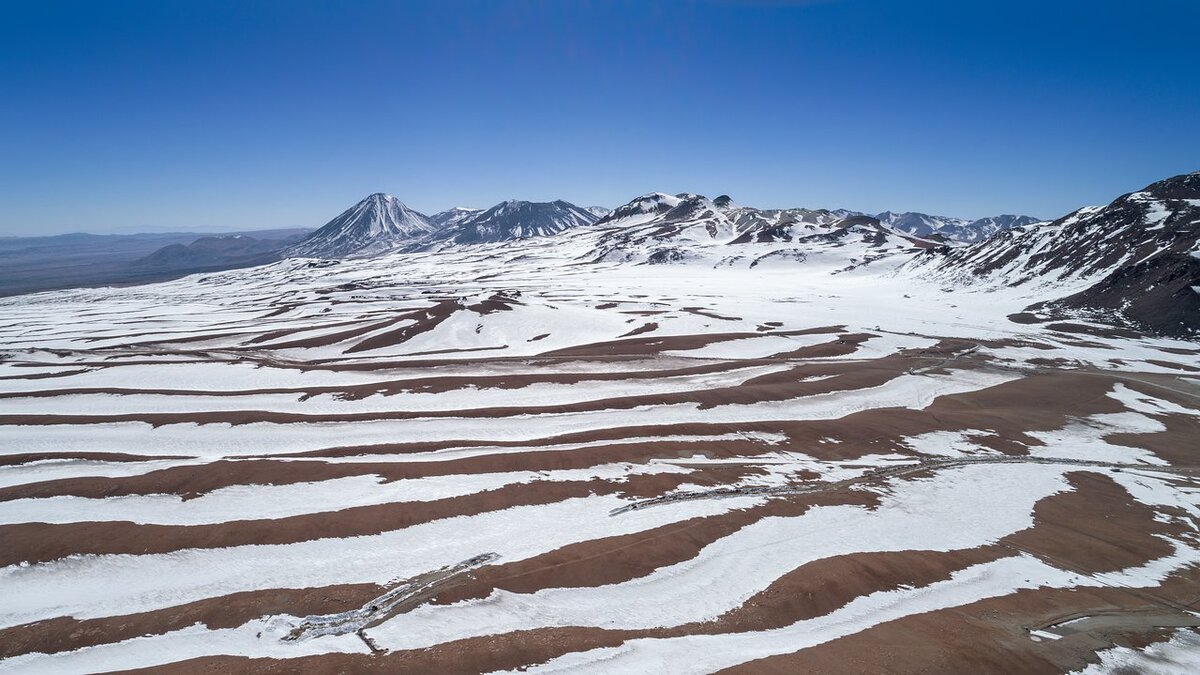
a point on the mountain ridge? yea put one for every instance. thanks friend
(511, 220)
(954, 229)
(1137, 258)
(380, 223)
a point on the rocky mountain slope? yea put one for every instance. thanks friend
(1135, 258)
(952, 229)
(382, 223)
(1132, 260)
(375, 225)
(643, 230)
(509, 220)
(453, 216)
(658, 228)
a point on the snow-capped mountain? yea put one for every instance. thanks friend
(983, 228)
(513, 219)
(952, 229)
(661, 216)
(375, 225)
(696, 218)
(768, 225)
(658, 228)
(453, 216)
(1137, 256)
(641, 209)
(598, 211)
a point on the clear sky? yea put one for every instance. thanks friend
(129, 116)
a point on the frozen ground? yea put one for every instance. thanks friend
(827, 463)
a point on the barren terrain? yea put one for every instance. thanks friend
(502, 458)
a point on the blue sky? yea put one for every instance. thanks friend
(130, 116)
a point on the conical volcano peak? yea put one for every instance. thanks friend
(377, 223)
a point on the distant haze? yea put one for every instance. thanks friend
(151, 116)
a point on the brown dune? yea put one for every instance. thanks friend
(431, 318)
(42, 542)
(700, 311)
(822, 586)
(1097, 527)
(67, 633)
(324, 340)
(937, 637)
(1006, 411)
(989, 636)
(644, 328)
(645, 346)
(424, 384)
(1176, 445)
(845, 344)
(617, 559)
(1171, 364)
(472, 656)
(753, 391)
(44, 376)
(194, 480)
(27, 457)
(284, 332)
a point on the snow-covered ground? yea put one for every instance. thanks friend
(187, 455)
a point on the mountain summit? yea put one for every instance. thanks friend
(376, 224)
(514, 219)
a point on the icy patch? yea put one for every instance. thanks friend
(755, 347)
(262, 502)
(1145, 403)
(92, 586)
(1084, 439)
(957, 509)
(258, 638)
(949, 443)
(710, 653)
(1178, 656)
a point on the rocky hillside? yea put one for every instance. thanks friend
(1135, 259)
